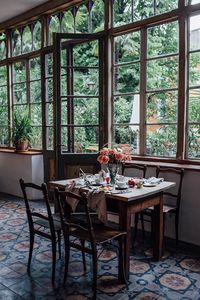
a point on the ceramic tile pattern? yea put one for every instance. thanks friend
(177, 276)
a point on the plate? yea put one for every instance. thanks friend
(150, 184)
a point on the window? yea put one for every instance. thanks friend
(2, 46)
(193, 141)
(4, 134)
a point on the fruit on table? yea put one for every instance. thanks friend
(131, 182)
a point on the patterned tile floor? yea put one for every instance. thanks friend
(177, 276)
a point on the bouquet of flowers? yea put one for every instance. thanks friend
(112, 156)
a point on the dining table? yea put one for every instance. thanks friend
(129, 202)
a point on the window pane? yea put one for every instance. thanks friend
(4, 115)
(2, 50)
(49, 114)
(127, 47)
(161, 140)
(81, 19)
(162, 107)
(16, 43)
(85, 137)
(122, 12)
(19, 108)
(143, 9)
(194, 70)
(35, 68)
(19, 93)
(64, 115)
(36, 114)
(35, 91)
(67, 22)
(163, 6)
(64, 139)
(26, 40)
(49, 65)
(194, 141)
(127, 109)
(86, 111)
(97, 15)
(37, 37)
(194, 1)
(49, 90)
(86, 82)
(49, 138)
(194, 106)
(127, 78)
(3, 95)
(195, 33)
(36, 140)
(4, 137)
(19, 72)
(3, 75)
(128, 135)
(86, 55)
(54, 26)
(162, 73)
(159, 37)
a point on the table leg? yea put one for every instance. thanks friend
(125, 225)
(158, 230)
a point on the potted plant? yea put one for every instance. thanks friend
(22, 130)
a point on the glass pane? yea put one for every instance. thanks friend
(49, 64)
(37, 35)
(35, 91)
(67, 22)
(128, 135)
(195, 1)
(36, 140)
(162, 73)
(49, 91)
(127, 47)
(84, 137)
(86, 111)
(97, 15)
(49, 114)
(161, 140)
(64, 62)
(163, 6)
(86, 54)
(195, 32)
(81, 19)
(86, 82)
(19, 93)
(63, 85)
(64, 116)
(4, 137)
(162, 107)
(26, 40)
(19, 72)
(35, 68)
(64, 139)
(36, 114)
(3, 95)
(143, 9)
(158, 39)
(127, 109)
(2, 50)
(193, 141)
(3, 75)
(16, 43)
(49, 138)
(54, 26)
(127, 78)
(122, 12)
(194, 70)
(19, 108)
(194, 106)
(3, 115)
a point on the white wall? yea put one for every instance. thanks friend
(14, 166)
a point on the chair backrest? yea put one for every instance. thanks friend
(174, 175)
(70, 225)
(33, 214)
(134, 170)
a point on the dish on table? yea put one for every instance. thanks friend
(149, 184)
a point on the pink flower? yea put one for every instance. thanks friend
(119, 156)
(103, 159)
(104, 151)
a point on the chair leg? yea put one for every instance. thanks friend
(142, 224)
(94, 259)
(59, 242)
(176, 228)
(121, 266)
(67, 253)
(83, 255)
(135, 229)
(53, 260)
(30, 251)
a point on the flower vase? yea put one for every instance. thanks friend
(113, 170)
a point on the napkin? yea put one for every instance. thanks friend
(153, 180)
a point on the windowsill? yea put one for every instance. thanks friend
(12, 151)
(154, 162)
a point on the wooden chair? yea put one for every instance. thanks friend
(171, 198)
(134, 170)
(46, 225)
(87, 235)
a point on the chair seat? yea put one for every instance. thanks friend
(45, 223)
(166, 208)
(102, 233)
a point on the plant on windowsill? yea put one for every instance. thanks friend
(21, 131)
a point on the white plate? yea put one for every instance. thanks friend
(150, 184)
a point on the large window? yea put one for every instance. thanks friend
(4, 134)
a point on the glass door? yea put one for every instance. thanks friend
(78, 95)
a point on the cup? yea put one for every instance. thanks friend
(121, 184)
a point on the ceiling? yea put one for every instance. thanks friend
(12, 8)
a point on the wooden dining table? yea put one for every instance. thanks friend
(130, 202)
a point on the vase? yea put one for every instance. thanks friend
(113, 170)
